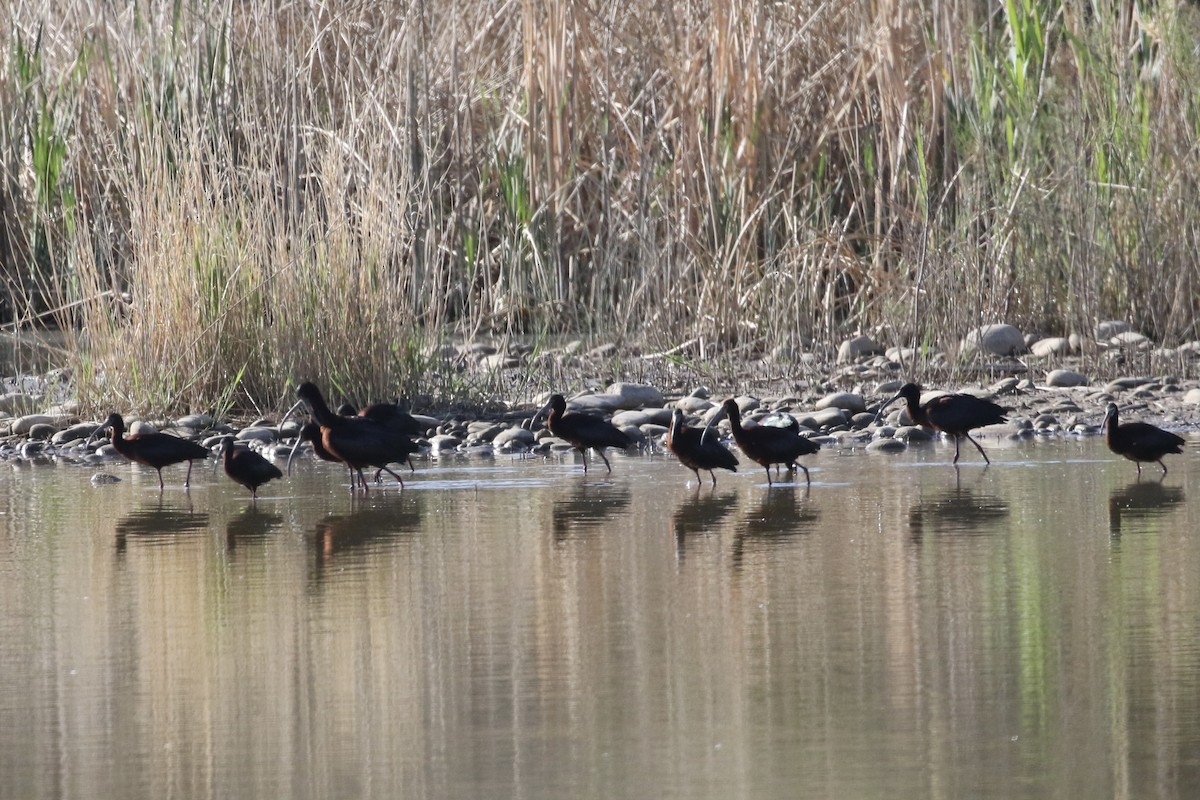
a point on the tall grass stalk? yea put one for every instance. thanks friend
(215, 194)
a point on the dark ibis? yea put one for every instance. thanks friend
(696, 453)
(1139, 441)
(397, 419)
(953, 414)
(311, 432)
(355, 441)
(247, 467)
(156, 450)
(766, 444)
(582, 431)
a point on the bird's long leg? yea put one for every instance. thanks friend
(411, 468)
(769, 482)
(600, 450)
(712, 475)
(583, 455)
(394, 475)
(1164, 466)
(160, 483)
(956, 441)
(362, 480)
(1138, 464)
(807, 479)
(977, 447)
(187, 482)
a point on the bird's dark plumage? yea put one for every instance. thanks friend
(582, 431)
(248, 467)
(356, 441)
(156, 450)
(766, 445)
(695, 452)
(1139, 441)
(953, 414)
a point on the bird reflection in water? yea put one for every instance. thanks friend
(780, 514)
(699, 513)
(340, 533)
(250, 524)
(1140, 503)
(586, 507)
(159, 523)
(957, 510)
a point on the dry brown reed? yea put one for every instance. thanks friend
(224, 198)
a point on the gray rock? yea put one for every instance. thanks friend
(498, 361)
(648, 416)
(264, 435)
(862, 419)
(998, 340)
(1065, 378)
(138, 427)
(850, 401)
(694, 405)
(443, 442)
(17, 403)
(196, 422)
(857, 347)
(42, 431)
(22, 425)
(1053, 346)
(904, 355)
(635, 395)
(1110, 328)
(913, 433)
(102, 478)
(1132, 339)
(825, 418)
(886, 446)
(514, 435)
(74, 433)
(653, 431)
(1192, 397)
(594, 403)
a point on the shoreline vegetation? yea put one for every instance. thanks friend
(215, 200)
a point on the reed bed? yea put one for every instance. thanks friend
(219, 199)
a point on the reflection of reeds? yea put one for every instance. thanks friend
(212, 191)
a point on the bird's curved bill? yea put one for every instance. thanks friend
(713, 420)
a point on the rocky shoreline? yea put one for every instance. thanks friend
(833, 397)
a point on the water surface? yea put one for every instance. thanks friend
(513, 628)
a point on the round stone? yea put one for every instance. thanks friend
(999, 340)
(850, 401)
(1065, 378)
(857, 347)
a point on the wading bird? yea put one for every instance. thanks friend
(582, 430)
(247, 467)
(156, 450)
(1139, 441)
(694, 452)
(765, 444)
(355, 441)
(953, 414)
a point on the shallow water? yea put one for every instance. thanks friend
(512, 628)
